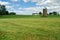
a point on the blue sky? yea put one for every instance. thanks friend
(27, 7)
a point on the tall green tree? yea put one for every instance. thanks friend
(12, 13)
(40, 13)
(3, 10)
(0, 10)
(7, 13)
(55, 13)
(50, 13)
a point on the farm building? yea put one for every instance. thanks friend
(35, 14)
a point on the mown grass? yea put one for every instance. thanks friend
(28, 16)
(30, 28)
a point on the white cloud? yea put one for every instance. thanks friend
(25, 0)
(21, 12)
(9, 7)
(14, 0)
(27, 11)
(52, 5)
(4, 3)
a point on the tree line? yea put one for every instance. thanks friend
(51, 13)
(3, 11)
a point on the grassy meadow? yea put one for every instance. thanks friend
(29, 28)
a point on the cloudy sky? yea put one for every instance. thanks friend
(31, 6)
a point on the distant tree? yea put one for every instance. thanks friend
(40, 13)
(7, 13)
(12, 13)
(50, 13)
(54, 13)
(2, 10)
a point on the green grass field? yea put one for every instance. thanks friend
(29, 28)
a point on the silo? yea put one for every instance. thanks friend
(45, 12)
